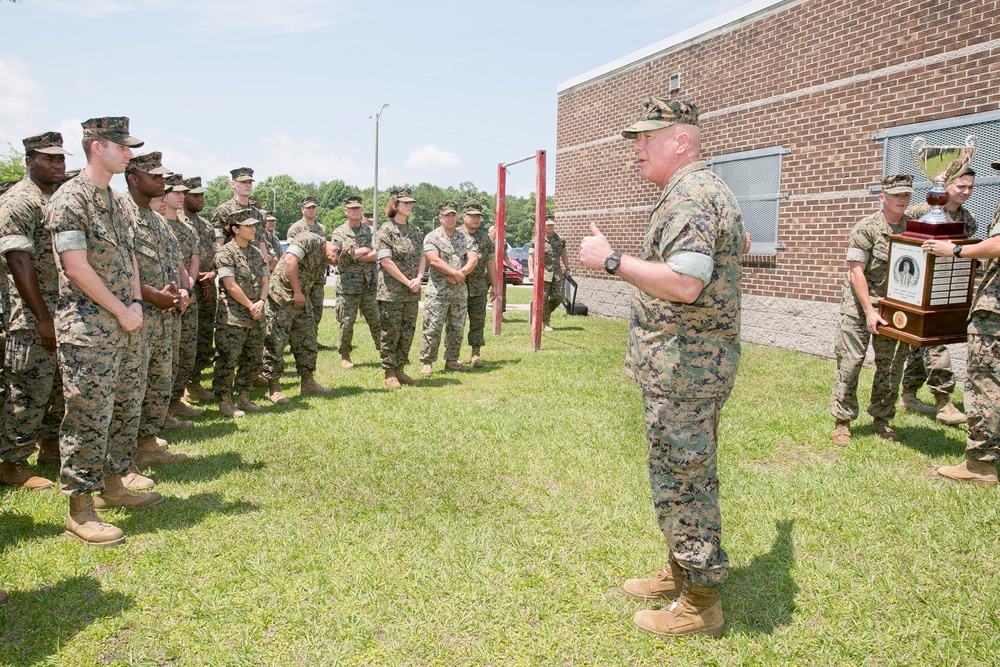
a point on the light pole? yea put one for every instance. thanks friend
(274, 200)
(375, 189)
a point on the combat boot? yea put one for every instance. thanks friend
(309, 387)
(947, 413)
(476, 360)
(245, 404)
(842, 433)
(882, 430)
(173, 424)
(345, 361)
(260, 381)
(181, 409)
(274, 393)
(404, 378)
(116, 495)
(18, 473)
(455, 365)
(698, 610)
(197, 392)
(151, 453)
(226, 408)
(48, 450)
(136, 481)
(426, 370)
(971, 470)
(390, 379)
(665, 583)
(910, 401)
(83, 524)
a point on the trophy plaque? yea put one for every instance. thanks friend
(927, 297)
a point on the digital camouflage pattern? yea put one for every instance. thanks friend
(230, 207)
(454, 250)
(932, 365)
(287, 325)
(112, 128)
(690, 351)
(22, 228)
(399, 324)
(982, 389)
(310, 250)
(316, 293)
(50, 143)
(247, 268)
(897, 184)
(348, 306)
(476, 309)
(443, 313)
(850, 346)
(869, 243)
(354, 277)
(403, 244)
(273, 244)
(660, 112)
(986, 300)
(300, 226)
(186, 350)
(555, 246)
(238, 352)
(241, 174)
(478, 282)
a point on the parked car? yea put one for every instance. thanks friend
(520, 254)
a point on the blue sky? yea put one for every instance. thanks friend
(287, 86)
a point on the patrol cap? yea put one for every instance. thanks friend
(194, 185)
(898, 184)
(112, 128)
(660, 112)
(307, 202)
(550, 217)
(269, 216)
(403, 195)
(50, 143)
(353, 201)
(472, 209)
(242, 217)
(367, 214)
(175, 183)
(241, 174)
(149, 163)
(448, 207)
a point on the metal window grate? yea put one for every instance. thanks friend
(950, 131)
(755, 179)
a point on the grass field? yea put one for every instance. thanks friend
(489, 518)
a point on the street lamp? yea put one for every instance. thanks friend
(375, 189)
(274, 200)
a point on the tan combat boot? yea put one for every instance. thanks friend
(697, 611)
(245, 404)
(83, 524)
(882, 430)
(345, 361)
(476, 360)
(151, 453)
(842, 433)
(404, 378)
(426, 370)
(135, 480)
(181, 409)
(18, 473)
(116, 495)
(947, 413)
(390, 379)
(171, 423)
(274, 393)
(910, 401)
(455, 365)
(260, 381)
(309, 387)
(197, 392)
(971, 470)
(665, 583)
(48, 450)
(226, 408)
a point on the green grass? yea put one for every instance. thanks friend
(489, 518)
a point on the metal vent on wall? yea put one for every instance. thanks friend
(675, 83)
(755, 179)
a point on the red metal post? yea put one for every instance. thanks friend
(501, 245)
(539, 279)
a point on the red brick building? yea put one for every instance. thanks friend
(805, 105)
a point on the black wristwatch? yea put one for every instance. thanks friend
(612, 263)
(142, 304)
(957, 250)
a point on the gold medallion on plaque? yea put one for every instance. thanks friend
(899, 319)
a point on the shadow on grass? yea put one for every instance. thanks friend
(761, 596)
(16, 527)
(209, 425)
(930, 441)
(437, 381)
(36, 624)
(201, 468)
(177, 513)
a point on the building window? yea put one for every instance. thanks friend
(896, 159)
(755, 179)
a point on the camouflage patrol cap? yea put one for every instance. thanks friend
(472, 209)
(403, 195)
(149, 163)
(447, 207)
(112, 128)
(367, 214)
(269, 216)
(242, 217)
(194, 186)
(659, 112)
(307, 202)
(241, 174)
(175, 183)
(353, 201)
(50, 143)
(900, 184)
(550, 217)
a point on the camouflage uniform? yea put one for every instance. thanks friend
(868, 243)
(397, 305)
(230, 206)
(103, 367)
(685, 357)
(932, 364)
(239, 339)
(478, 283)
(286, 324)
(357, 285)
(554, 278)
(273, 245)
(207, 303)
(315, 295)
(982, 384)
(445, 305)
(189, 244)
(34, 404)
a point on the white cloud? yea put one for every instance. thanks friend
(21, 106)
(311, 161)
(429, 156)
(88, 8)
(85, 86)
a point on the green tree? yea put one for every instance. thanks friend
(216, 191)
(284, 195)
(11, 165)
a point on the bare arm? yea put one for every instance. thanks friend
(986, 249)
